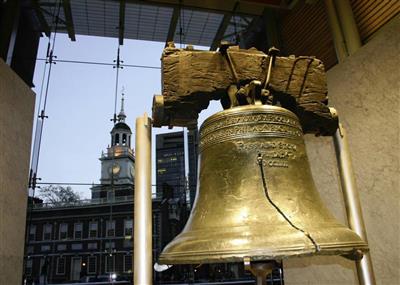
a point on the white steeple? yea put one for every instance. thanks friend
(121, 115)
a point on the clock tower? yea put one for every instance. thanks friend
(118, 163)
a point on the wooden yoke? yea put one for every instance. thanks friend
(191, 78)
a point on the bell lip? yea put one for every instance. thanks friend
(240, 109)
(345, 250)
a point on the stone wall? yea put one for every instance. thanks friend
(365, 90)
(16, 115)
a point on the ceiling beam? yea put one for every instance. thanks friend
(121, 27)
(60, 20)
(272, 29)
(247, 7)
(221, 31)
(68, 19)
(172, 25)
(41, 18)
(248, 36)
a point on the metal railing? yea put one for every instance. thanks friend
(117, 151)
(86, 202)
(82, 203)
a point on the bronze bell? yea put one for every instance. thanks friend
(256, 197)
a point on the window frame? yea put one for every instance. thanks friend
(76, 244)
(61, 245)
(90, 248)
(30, 267)
(107, 245)
(95, 264)
(131, 262)
(45, 245)
(113, 224)
(60, 232)
(90, 229)
(106, 263)
(75, 231)
(33, 229)
(58, 264)
(30, 249)
(131, 227)
(44, 231)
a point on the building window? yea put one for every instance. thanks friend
(109, 263)
(92, 245)
(43, 265)
(156, 244)
(63, 231)
(156, 224)
(110, 228)
(117, 139)
(28, 268)
(29, 249)
(47, 228)
(110, 245)
(123, 139)
(45, 247)
(77, 230)
(76, 246)
(128, 263)
(32, 232)
(92, 264)
(128, 227)
(61, 265)
(93, 229)
(110, 195)
(61, 247)
(128, 243)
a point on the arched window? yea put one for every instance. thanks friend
(129, 141)
(116, 138)
(123, 139)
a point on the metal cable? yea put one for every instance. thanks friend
(101, 63)
(181, 19)
(35, 160)
(117, 66)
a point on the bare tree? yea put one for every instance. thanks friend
(58, 195)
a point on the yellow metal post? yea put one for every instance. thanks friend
(142, 268)
(352, 202)
(337, 35)
(349, 25)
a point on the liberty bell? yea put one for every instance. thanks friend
(256, 198)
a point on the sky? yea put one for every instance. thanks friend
(80, 103)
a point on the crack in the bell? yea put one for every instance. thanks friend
(260, 163)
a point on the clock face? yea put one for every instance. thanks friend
(114, 169)
(132, 171)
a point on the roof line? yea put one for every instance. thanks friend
(68, 19)
(41, 18)
(121, 27)
(221, 31)
(164, 3)
(223, 26)
(172, 25)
